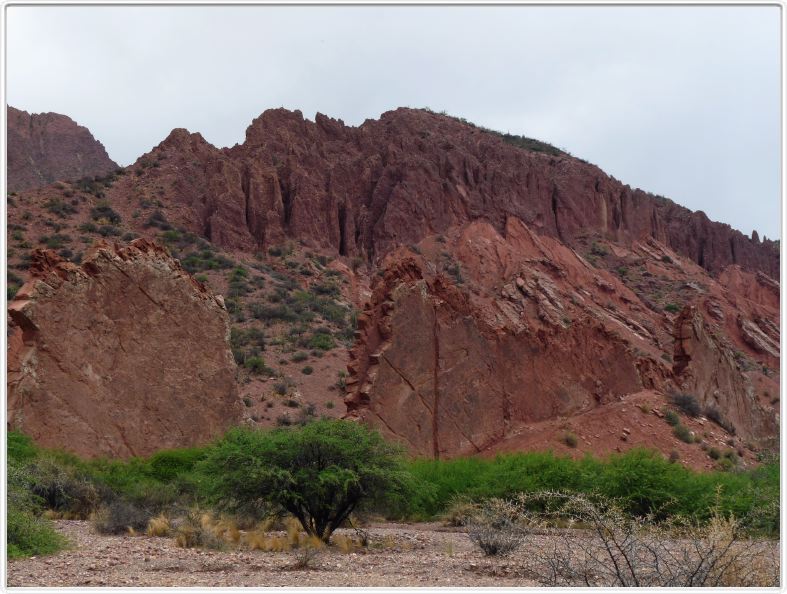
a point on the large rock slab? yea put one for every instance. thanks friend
(121, 356)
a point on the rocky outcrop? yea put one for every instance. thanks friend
(472, 337)
(362, 191)
(452, 366)
(705, 367)
(121, 356)
(46, 147)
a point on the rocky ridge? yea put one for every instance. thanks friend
(48, 147)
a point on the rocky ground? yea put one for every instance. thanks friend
(398, 555)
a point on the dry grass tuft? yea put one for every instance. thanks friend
(159, 526)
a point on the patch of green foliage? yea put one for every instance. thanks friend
(320, 472)
(642, 479)
(105, 214)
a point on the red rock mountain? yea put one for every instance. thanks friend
(47, 147)
(393, 181)
(509, 293)
(121, 356)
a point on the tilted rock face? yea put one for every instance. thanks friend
(705, 367)
(363, 191)
(46, 147)
(455, 357)
(121, 356)
(451, 371)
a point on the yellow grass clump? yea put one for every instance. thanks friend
(159, 526)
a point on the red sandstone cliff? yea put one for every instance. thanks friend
(46, 147)
(362, 191)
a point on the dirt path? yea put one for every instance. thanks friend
(399, 555)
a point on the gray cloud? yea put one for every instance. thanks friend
(680, 101)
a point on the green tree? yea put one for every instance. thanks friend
(320, 473)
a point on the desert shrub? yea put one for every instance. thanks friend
(57, 207)
(308, 370)
(257, 366)
(320, 472)
(27, 533)
(672, 308)
(300, 356)
(570, 440)
(196, 529)
(672, 418)
(714, 415)
(321, 341)
(460, 510)
(108, 230)
(119, 517)
(166, 465)
(62, 488)
(496, 528)
(687, 403)
(617, 549)
(158, 220)
(103, 213)
(683, 433)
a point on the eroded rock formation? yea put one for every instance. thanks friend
(704, 367)
(361, 191)
(46, 147)
(123, 355)
(456, 356)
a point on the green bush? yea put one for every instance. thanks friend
(320, 472)
(683, 433)
(105, 212)
(643, 480)
(29, 535)
(321, 341)
(257, 366)
(672, 418)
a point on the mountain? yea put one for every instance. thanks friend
(48, 147)
(469, 292)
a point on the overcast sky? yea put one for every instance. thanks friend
(679, 101)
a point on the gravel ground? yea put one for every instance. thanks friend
(399, 555)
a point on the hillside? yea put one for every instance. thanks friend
(507, 295)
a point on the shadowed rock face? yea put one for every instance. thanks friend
(121, 356)
(47, 147)
(363, 191)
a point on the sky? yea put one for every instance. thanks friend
(679, 101)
